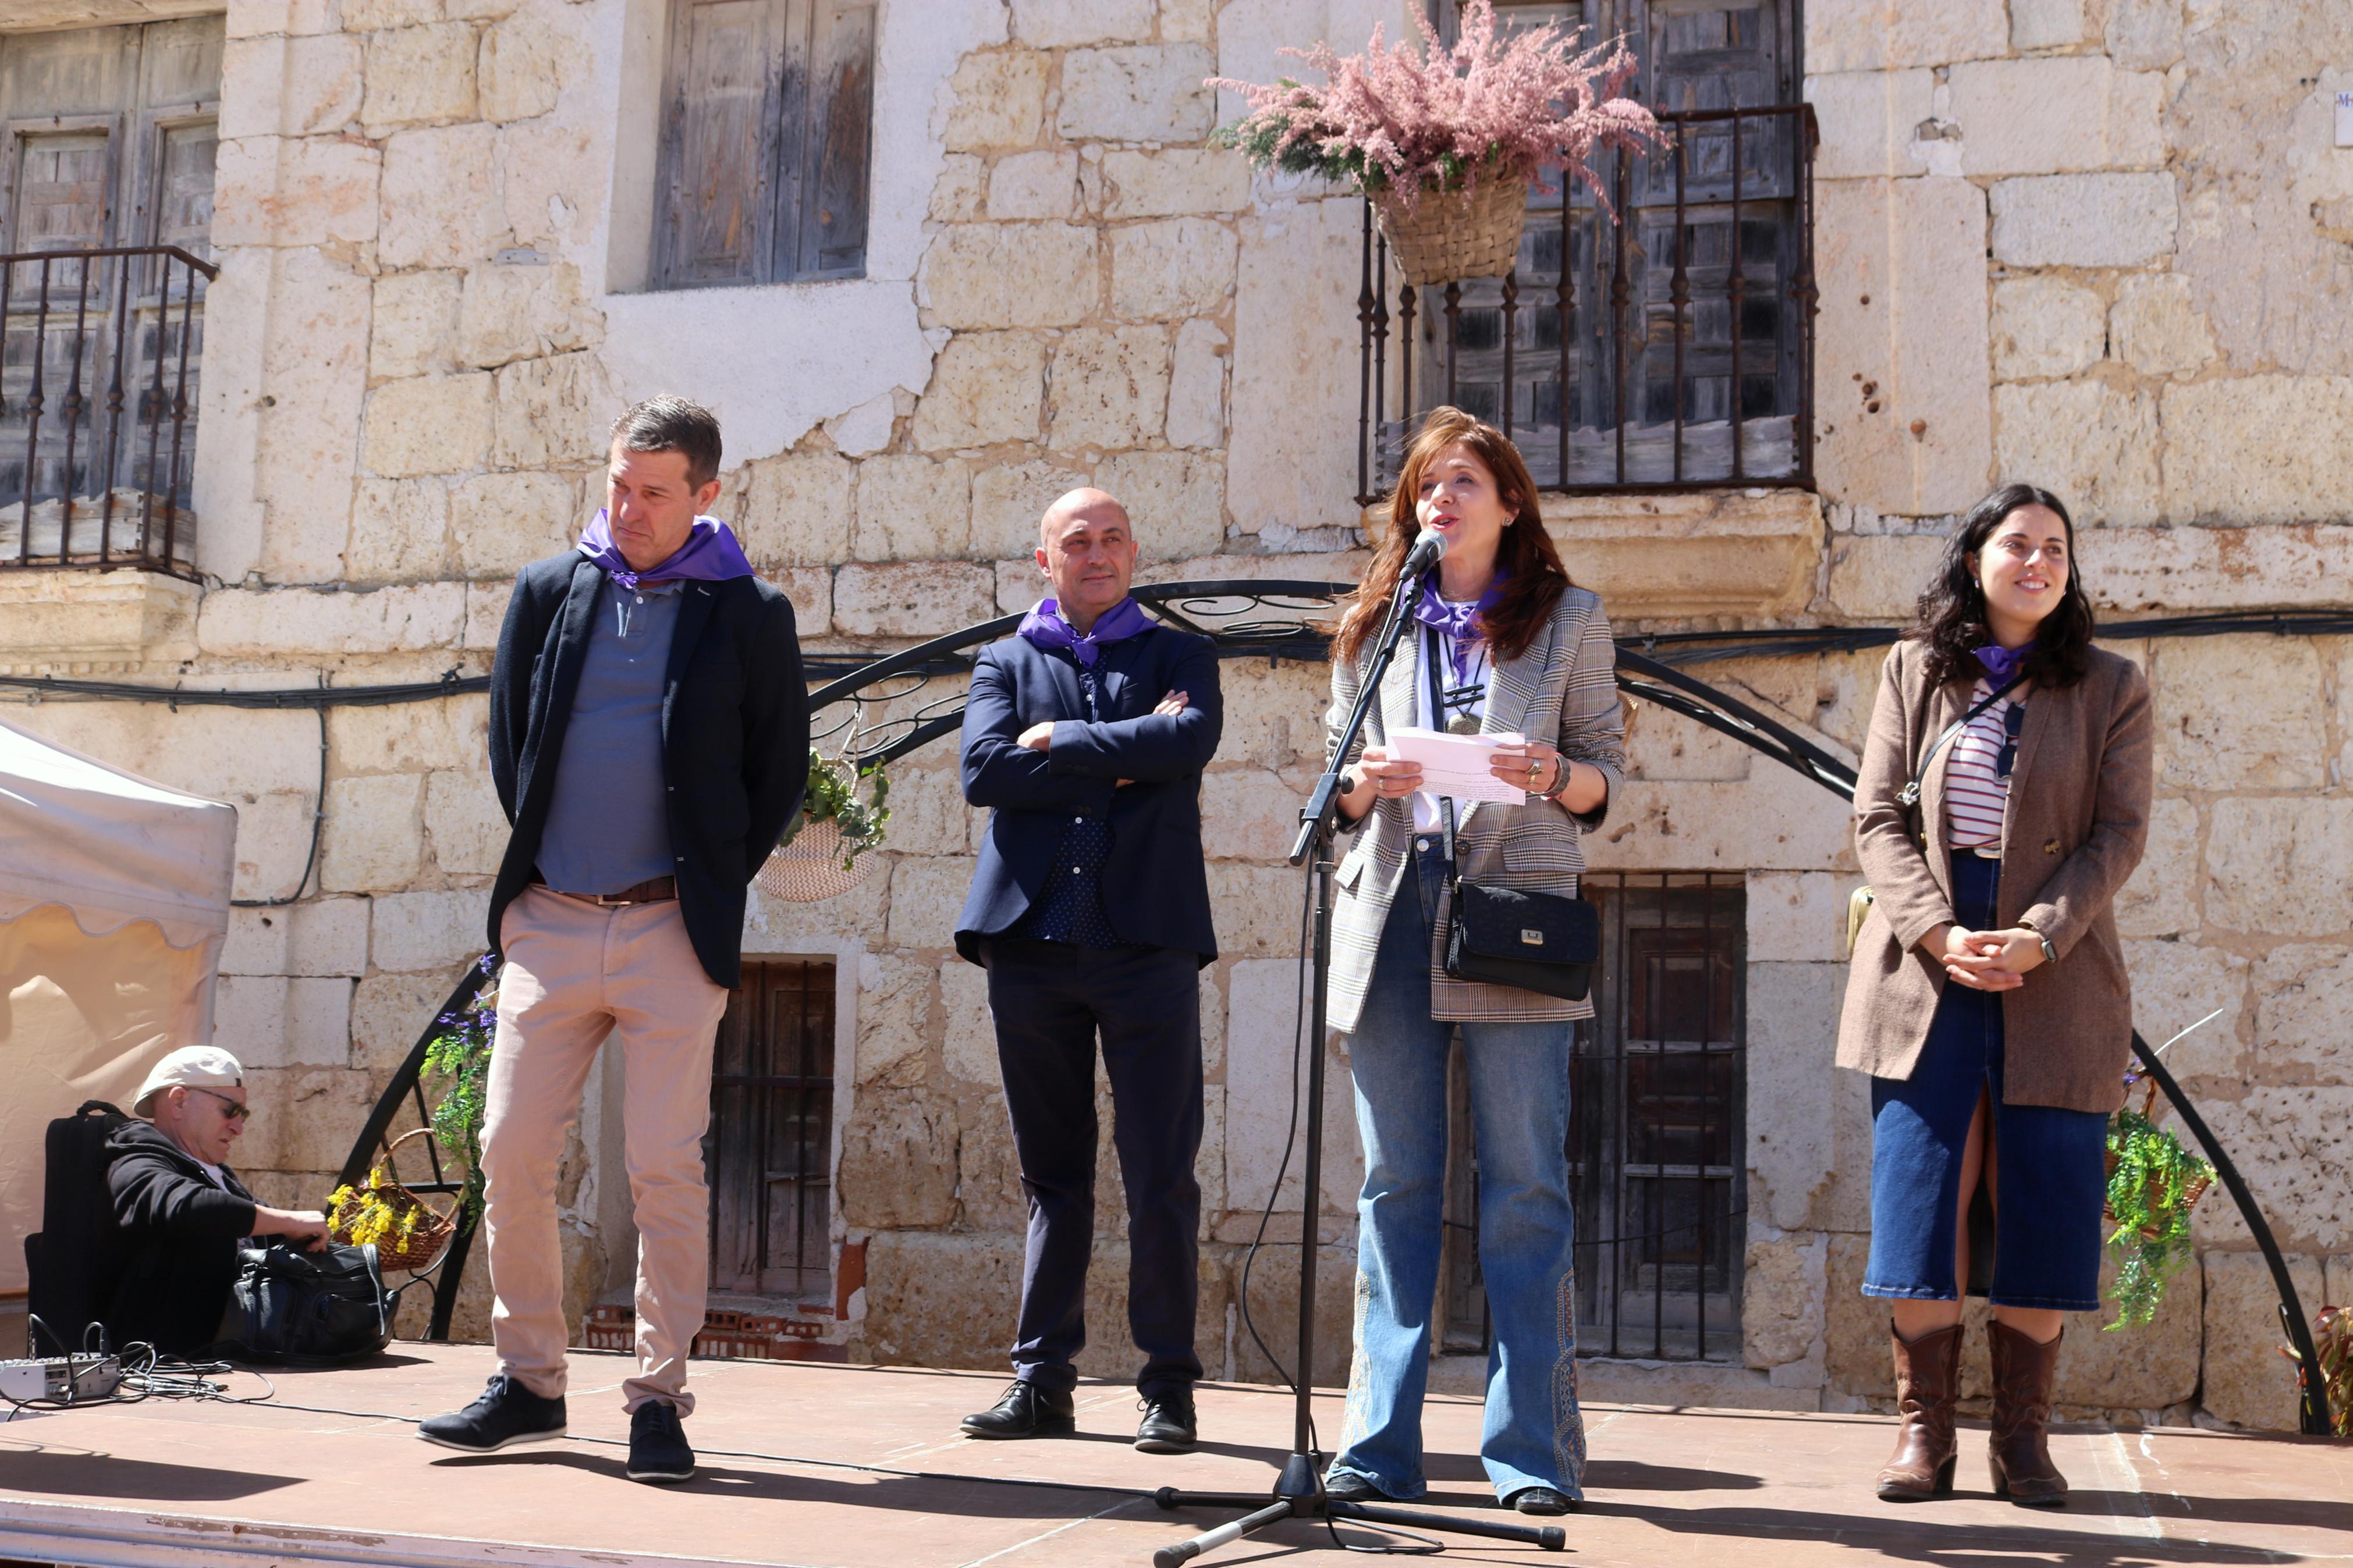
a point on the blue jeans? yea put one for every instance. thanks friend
(1533, 1433)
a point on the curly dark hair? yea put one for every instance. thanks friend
(1951, 617)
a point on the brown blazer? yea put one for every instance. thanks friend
(2078, 817)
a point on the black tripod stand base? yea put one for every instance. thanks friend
(1549, 1537)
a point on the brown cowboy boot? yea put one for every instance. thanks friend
(2023, 1372)
(1928, 1380)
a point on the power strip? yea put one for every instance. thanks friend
(64, 1382)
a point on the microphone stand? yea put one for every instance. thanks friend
(1299, 1493)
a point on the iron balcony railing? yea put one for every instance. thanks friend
(1673, 349)
(101, 352)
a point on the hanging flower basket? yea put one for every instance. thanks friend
(405, 1233)
(1443, 141)
(811, 867)
(1459, 234)
(825, 858)
(2154, 1183)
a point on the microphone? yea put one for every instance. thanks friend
(1429, 549)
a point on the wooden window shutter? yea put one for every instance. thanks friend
(828, 106)
(767, 142)
(720, 143)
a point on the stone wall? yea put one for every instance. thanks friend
(431, 220)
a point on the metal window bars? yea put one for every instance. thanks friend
(1671, 350)
(1656, 1122)
(100, 356)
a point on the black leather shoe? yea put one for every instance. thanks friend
(1541, 1500)
(1025, 1411)
(507, 1413)
(1169, 1425)
(659, 1451)
(1347, 1485)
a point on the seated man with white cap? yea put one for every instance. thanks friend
(179, 1210)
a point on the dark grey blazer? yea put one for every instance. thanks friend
(736, 736)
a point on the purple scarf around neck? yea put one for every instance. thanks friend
(1455, 620)
(2000, 663)
(1045, 626)
(709, 553)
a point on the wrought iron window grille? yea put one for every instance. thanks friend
(100, 356)
(1671, 350)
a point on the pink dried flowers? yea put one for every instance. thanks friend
(1398, 122)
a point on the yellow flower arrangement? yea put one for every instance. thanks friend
(362, 1217)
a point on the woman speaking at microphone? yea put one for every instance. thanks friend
(2004, 799)
(1499, 643)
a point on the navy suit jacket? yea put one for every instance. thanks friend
(1155, 886)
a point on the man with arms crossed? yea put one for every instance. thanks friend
(1087, 733)
(649, 741)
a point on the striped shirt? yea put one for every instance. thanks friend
(1974, 795)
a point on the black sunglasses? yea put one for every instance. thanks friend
(236, 1110)
(2013, 724)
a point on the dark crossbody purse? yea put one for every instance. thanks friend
(1509, 936)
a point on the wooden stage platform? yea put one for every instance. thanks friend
(331, 1472)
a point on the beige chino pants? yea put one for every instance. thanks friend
(573, 975)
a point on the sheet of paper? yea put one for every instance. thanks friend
(1456, 765)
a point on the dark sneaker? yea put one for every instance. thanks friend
(1347, 1485)
(1025, 1411)
(507, 1413)
(1168, 1425)
(658, 1446)
(1541, 1499)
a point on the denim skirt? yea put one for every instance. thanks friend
(2048, 1164)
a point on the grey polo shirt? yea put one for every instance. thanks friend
(608, 825)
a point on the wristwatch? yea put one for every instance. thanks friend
(2050, 953)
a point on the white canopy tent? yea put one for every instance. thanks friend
(114, 897)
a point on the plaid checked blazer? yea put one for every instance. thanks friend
(1562, 689)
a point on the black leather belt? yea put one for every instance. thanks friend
(653, 891)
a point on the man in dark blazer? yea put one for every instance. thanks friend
(649, 741)
(1086, 733)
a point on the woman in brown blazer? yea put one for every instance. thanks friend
(1991, 925)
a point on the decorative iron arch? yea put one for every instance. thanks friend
(1275, 620)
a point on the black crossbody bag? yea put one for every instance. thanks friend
(1509, 936)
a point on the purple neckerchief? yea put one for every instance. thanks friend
(710, 552)
(1045, 626)
(2000, 663)
(1454, 619)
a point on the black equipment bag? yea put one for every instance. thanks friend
(1510, 936)
(307, 1309)
(71, 1261)
(1537, 941)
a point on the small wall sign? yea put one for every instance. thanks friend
(2345, 120)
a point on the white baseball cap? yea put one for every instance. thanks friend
(193, 1067)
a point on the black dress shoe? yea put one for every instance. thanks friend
(1347, 1485)
(1541, 1500)
(1025, 1411)
(659, 1451)
(506, 1412)
(1169, 1425)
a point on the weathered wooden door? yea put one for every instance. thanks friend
(769, 1151)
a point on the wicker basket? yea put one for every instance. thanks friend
(2189, 1195)
(431, 1231)
(808, 868)
(1473, 234)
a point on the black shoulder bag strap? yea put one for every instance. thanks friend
(1909, 795)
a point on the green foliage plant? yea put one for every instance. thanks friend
(833, 797)
(459, 1060)
(2153, 1183)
